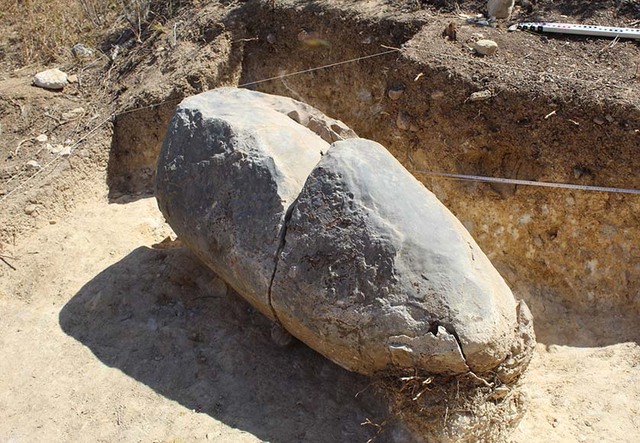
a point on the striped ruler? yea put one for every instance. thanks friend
(570, 28)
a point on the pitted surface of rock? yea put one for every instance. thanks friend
(376, 272)
(231, 165)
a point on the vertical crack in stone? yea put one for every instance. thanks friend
(283, 234)
(451, 330)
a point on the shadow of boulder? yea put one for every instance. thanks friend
(164, 319)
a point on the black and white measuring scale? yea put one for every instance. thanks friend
(570, 28)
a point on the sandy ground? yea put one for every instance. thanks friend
(108, 338)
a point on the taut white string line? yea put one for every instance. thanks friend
(389, 50)
(513, 181)
(278, 77)
(115, 114)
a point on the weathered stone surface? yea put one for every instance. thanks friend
(376, 272)
(50, 79)
(500, 8)
(522, 346)
(485, 47)
(231, 165)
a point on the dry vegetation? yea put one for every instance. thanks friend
(44, 32)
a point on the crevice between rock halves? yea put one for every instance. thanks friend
(281, 244)
(451, 330)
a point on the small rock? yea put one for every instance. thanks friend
(72, 78)
(271, 39)
(81, 51)
(403, 121)
(395, 93)
(42, 138)
(32, 164)
(53, 149)
(485, 47)
(52, 222)
(30, 209)
(53, 79)
(609, 118)
(436, 95)
(73, 114)
(499, 393)
(65, 151)
(480, 96)
(598, 121)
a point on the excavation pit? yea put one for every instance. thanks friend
(571, 254)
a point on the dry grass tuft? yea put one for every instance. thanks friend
(460, 409)
(44, 32)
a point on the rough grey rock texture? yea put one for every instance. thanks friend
(377, 273)
(522, 347)
(232, 163)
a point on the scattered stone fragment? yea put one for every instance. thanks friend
(32, 164)
(485, 47)
(73, 114)
(403, 121)
(73, 78)
(598, 121)
(65, 151)
(81, 51)
(53, 79)
(30, 209)
(271, 38)
(609, 118)
(500, 8)
(450, 32)
(481, 96)
(42, 138)
(395, 92)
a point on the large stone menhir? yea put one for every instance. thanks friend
(339, 244)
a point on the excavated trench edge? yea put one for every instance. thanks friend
(253, 68)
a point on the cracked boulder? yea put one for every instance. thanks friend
(376, 273)
(232, 163)
(338, 244)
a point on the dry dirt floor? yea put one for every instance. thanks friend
(111, 331)
(107, 335)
